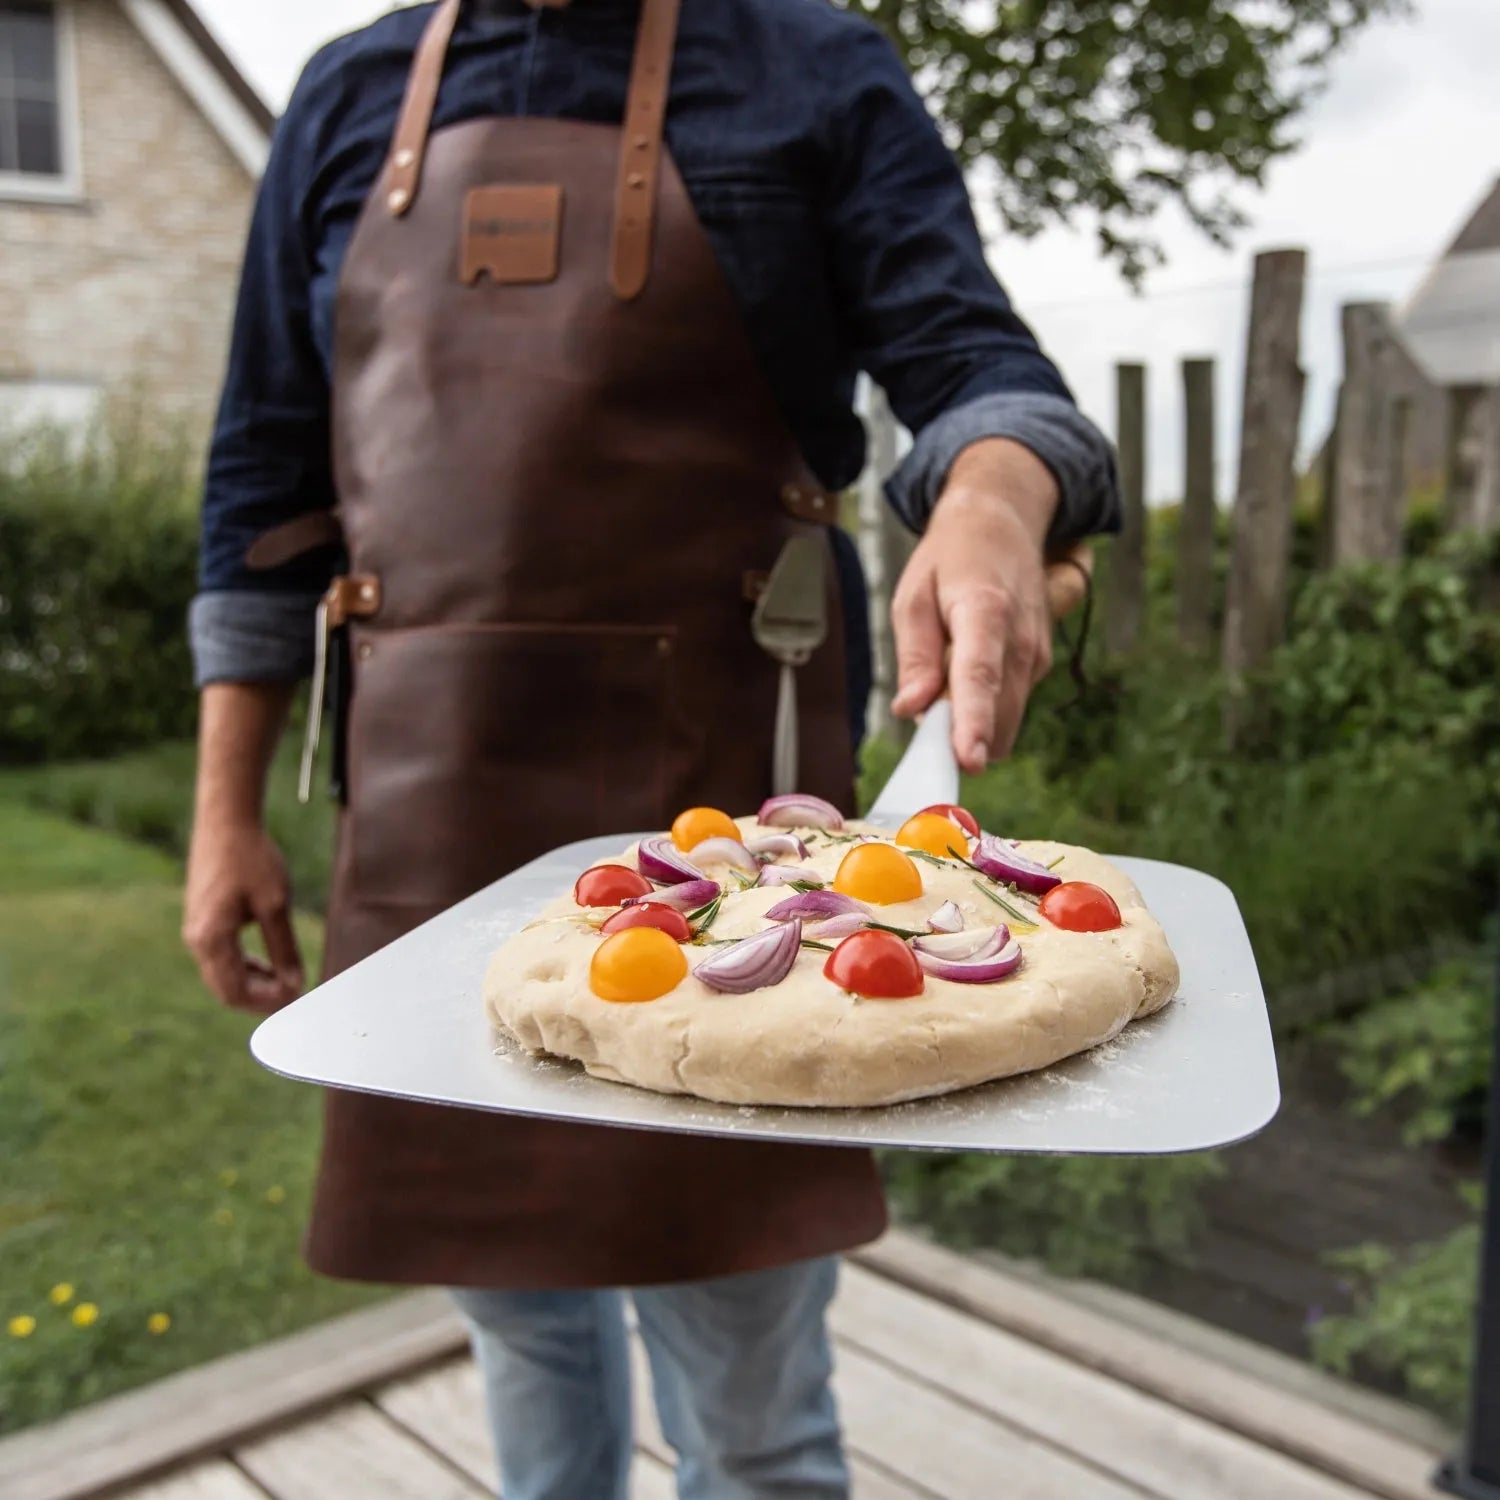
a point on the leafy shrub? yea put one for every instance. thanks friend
(1413, 1319)
(98, 554)
(1426, 1052)
(1082, 1216)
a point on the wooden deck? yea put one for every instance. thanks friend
(956, 1382)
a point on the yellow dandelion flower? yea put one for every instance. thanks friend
(229, 1177)
(224, 1216)
(22, 1327)
(61, 1294)
(276, 1194)
(158, 1323)
(85, 1315)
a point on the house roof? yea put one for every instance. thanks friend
(1451, 323)
(193, 55)
(218, 59)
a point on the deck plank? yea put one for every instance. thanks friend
(1138, 1438)
(352, 1450)
(218, 1480)
(1312, 1432)
(205, 1411)
(952, 1450)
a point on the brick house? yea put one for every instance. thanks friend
(130, 147)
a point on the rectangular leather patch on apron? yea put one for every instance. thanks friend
(511, 233)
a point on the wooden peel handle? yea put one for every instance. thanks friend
(1068, 573)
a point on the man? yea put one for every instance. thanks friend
(562, 308)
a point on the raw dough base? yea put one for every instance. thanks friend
(806, 1042)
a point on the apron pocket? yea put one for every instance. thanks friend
(473, 749)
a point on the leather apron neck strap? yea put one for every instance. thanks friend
(641, 146)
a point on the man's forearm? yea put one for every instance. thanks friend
(1000, 469)
(239, 727)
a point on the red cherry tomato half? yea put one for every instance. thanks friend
(651, 914)
(875, 965)
(609, 885)
(960, 815)
(1078, 906)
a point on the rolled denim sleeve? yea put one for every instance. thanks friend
(1081, 459)
(250, 636)
(269, 457)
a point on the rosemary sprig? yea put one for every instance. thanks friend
(821, 947)
(841, 838)
(931, 859)
(804, 886)
(1002, 903)
(703, 918)
(744, 882)
(901, 932)
(1056, 862)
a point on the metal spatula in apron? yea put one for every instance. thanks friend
(790, 623)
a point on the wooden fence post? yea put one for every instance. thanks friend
(1195, 534)
(884, 548)
(1255, 612)
(1461, 465)
(1472, 498)
(1125, 588)
(1368, 509)
(1487, 490)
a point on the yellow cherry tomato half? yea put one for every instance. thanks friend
(879, 874)
(699, 823)
(935, 834)
(640, 963)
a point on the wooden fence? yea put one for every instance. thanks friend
(1364, 476)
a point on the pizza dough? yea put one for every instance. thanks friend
(806, 1042)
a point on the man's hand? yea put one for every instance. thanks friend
(236, 876)
(972, 607)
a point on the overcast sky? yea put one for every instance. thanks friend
(1401, 147)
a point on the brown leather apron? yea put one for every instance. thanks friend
(559, 473)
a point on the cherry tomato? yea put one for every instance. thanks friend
(956, 814)
(935, 834)
(878, 873)
(699, 823)
(875, 965)
(650, 914)
(641, 963)
(609, 885)
(1078, 906)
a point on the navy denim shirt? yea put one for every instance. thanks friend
(839, 217)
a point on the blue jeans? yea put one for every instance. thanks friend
(740, 1368)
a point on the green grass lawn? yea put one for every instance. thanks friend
(149, 1164)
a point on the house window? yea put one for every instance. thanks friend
(33, 147)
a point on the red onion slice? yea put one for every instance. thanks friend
(723, 851)
(977, 942)
(813, 906)
(772, 845)
(998, 859)
(686, 896)
(947, 918)
(834, 929)
(787, 874)
(993, 966)
(797, 810)
(659, 859)
(753, 963)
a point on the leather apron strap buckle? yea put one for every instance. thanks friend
(807, 502)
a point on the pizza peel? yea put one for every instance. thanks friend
(409, 1022)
